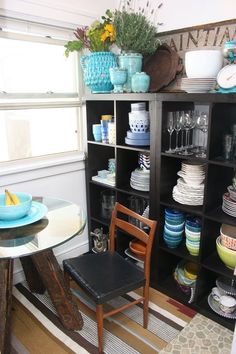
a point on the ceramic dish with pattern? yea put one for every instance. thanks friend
(216, 308)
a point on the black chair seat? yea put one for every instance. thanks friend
(104, 276)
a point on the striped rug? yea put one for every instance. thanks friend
(123, 333)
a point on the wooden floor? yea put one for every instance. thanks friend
(33, 336)
(37, 340)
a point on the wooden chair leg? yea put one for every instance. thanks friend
(99, 315)
(145, 306)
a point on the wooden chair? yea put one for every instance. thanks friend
(107, 275)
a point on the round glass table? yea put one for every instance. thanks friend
(50, 223)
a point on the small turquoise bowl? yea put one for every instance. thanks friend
(192, 229)
(175, 227)
(172, 242)
(173, 233)
(14, 212)
(174, 221)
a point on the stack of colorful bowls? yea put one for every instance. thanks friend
(185, 275)
(193, 233)
(227, 255)
(173, 228)
(228, 236)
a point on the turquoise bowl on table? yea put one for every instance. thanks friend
(14, 212)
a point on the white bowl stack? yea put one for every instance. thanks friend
(202, 67)
(139, 122)
(190, 186)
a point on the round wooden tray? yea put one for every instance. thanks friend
(162, 67)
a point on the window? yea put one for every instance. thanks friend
(39, 94)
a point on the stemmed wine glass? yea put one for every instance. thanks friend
(202, 124)
(177, 126)
(196, 148)
(188, 124)
(181, 121)
(170, 128)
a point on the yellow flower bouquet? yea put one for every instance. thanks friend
(97, 38)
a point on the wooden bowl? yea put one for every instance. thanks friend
(137, 247)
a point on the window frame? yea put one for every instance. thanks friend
(25, 30)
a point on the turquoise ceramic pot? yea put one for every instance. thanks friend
(140, 82)
(118, 78)
(96, 70)
(133, 63)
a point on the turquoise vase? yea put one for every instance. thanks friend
(96, 70)
(140, 82)
(118, 78)
(133, 63)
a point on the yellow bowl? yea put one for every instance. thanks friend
(190, 270)
(227, 256)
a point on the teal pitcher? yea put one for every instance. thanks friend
(96, 70)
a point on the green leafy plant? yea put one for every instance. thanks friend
(97, 38)
(134, 29)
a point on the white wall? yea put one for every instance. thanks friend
(186, 13)
(71, 12)
(174, 14)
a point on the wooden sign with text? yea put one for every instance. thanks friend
(209, 36)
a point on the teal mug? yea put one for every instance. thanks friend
(97, 133)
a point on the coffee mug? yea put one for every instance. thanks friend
(97, 133)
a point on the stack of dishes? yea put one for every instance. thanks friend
(222, 297)
(140, 180)
(228, 236)
(144, 160)
(193, 233)
(173, 228)
(232, 192)
(194, 85)
(229, 205)
(227, 255)
(139, 122)
(190, 186)
(185, 275)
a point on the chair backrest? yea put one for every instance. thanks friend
(132, 230)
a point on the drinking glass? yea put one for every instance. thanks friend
(227, 145)
(181, 121)
(170, 128)
(196, 132)
(177, 127)
(202, 124)
(188, 124)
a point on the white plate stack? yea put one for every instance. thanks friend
(190, 186)
(197, 85)
(140, 179)
(229, 205)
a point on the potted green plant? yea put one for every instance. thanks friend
(136, 36)
(98, 39)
